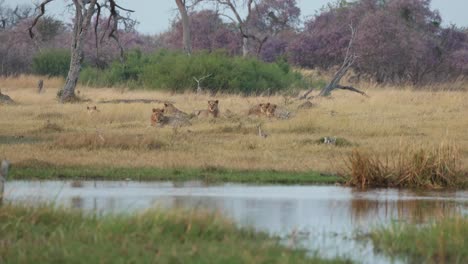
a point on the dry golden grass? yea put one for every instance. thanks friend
(120, 135)
(409, 167)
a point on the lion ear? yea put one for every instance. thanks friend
(154, 110)
(217, 101)
(166, 105)
(162, 110)
(87, 107)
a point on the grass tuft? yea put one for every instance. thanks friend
(410, 167)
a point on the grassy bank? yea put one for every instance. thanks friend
(166, 174)
(45, 235)
(41, 130)
(443, 241)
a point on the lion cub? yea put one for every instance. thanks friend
(259, 110)
(170, 109)
(213, 110)
(159, 119)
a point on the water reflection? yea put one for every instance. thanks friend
(413, 211)
(318, 217)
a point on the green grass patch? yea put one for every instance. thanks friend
(45, 171)
(48, 235)
(443, 241)
(18, 140)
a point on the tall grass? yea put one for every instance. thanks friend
(48, 235)
(442, 241)
(409, 167)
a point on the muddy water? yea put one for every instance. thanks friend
(321, 218)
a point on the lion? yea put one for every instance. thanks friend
(159, 119)
(274, 111)
(213, 110)
(92, 109)
(259, 110)
(271, 109)
(170, 109)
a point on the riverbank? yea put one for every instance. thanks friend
(170, 174)
(43, 234)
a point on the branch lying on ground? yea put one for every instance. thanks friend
(350, 88)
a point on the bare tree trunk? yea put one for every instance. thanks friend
(245, 46)
(84, 11)
(83, 17)
(187, 41)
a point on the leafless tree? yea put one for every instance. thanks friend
(10, 17)
(242, 24)
(181, 5)
(85, 10)
(263, 19)
(349, 59)
(184, 6)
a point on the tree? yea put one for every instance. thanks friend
(10, 17)
(398, 41)
(187, 41)
(85, 10)
(264, 18)
(209, 32)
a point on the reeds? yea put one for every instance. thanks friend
(414, 167)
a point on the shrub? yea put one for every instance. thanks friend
(175, 72)
(52, 63)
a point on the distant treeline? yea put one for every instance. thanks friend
(397, 41)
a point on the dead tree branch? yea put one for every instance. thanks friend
(41, 8)
(199, 88)
(349, 60)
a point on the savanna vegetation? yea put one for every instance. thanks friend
(169, 237)
(45, 136)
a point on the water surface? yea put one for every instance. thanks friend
(320, 218)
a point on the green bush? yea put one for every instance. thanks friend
(52, 63)
(175, 72)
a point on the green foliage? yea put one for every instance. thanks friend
(442, 241)
(52, 63)
(175, 72)
(46, 235)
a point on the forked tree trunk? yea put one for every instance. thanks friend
(186, 37)
(83, 17)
